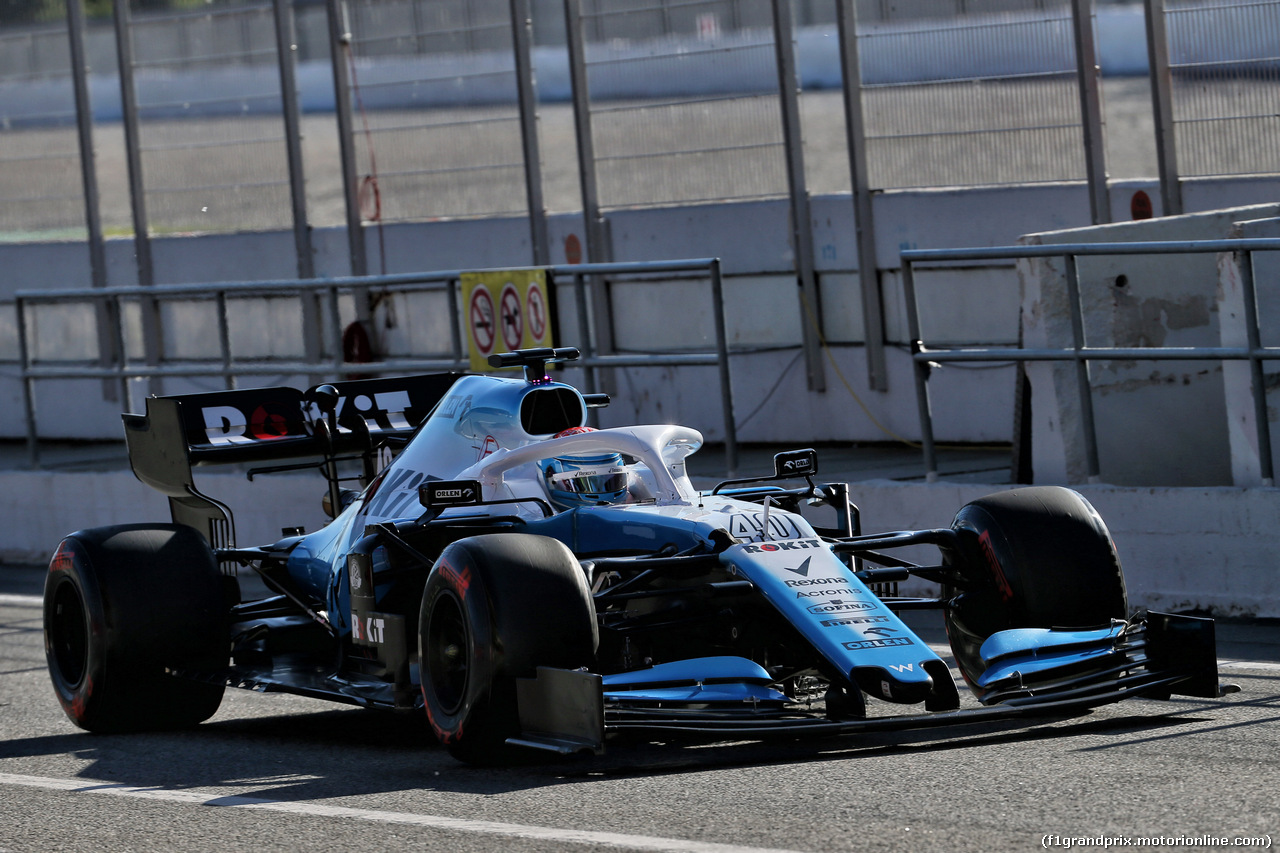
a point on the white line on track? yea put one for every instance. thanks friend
(1264, 666)
(20, 600)
(597, 840)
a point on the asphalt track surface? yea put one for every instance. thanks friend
(286, 773)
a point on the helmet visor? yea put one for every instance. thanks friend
(591, 481)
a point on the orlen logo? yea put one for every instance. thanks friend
(838, 606)
(454, 494)
(788, 545)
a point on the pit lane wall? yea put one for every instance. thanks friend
(772, 395)
(1204, 549)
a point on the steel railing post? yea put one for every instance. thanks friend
(526, 93)
(801, 216)
(584, 338)
(1162, 107)
(598, 236)
(335, 324)
(118, 316)
(1257, 379)
(863, 211)
(152, 338)
(455, 330)
(1081, 360)
(286, 55)
(224, 337)
(28, 382)
(722, 356)
(340, 51)
(920, 369)
(89, 184)
(1088, 79)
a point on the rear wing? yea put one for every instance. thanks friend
(260, 425)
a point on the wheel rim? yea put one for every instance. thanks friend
(448, 659)
(68, 634)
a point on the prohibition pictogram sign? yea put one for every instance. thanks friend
(536, 307)
(481, 317)
(512, 317)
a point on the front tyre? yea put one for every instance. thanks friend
(1037, 557)
(121, 605)
(495, 608)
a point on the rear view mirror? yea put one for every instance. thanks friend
(796, 463)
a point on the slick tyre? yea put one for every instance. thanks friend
(494, 609)
(124, 604)
(1037, 557)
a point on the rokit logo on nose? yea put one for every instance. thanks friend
(785, 545)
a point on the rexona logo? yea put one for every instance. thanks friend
(818, 582)
(837, 605)
(787, 545)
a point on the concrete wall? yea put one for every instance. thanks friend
(1157, 423)
(1241, 415)
(1210, 549)
(973, 305)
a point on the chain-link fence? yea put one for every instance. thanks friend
(436, 128)
(1225, 62)
(684, 102)
(41, 192)
(996, 101)
(209, 110)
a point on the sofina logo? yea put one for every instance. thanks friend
(837, 605)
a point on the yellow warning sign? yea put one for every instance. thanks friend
(503, 311)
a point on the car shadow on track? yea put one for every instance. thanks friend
(354, 753)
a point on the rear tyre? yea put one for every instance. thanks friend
(494, 609)
(122, 605)
(1038, 557)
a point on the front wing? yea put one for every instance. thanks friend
(1031, 674)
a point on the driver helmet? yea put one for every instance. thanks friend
(591, 480)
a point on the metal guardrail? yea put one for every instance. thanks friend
(588, 281)
(1081, 354)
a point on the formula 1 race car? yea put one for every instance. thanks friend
(533, 583)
